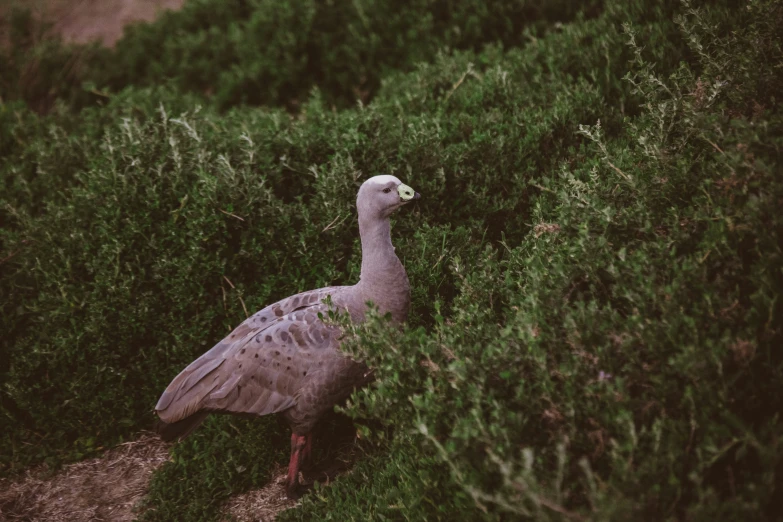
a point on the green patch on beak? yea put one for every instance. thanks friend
(406, 193)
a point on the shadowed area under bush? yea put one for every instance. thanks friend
(595, 327)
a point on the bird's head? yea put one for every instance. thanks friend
(379, 196)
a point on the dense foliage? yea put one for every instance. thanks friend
(267, 52)
(596, 321)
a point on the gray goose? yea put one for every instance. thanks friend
(283, 359)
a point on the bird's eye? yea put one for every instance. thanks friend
(386, 190)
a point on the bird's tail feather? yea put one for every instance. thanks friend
(180, 429)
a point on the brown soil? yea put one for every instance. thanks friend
(106, 488)
(83, 21)
(111, 487)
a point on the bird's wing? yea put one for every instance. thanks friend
(260, 366)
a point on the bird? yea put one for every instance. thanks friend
(284, 359)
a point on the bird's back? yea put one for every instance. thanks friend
(283, 358)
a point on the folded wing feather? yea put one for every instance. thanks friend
(260, 367)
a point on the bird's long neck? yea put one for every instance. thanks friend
(383, 279)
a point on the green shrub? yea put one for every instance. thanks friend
(392, 483)
(622, 360)
(595, 314)
(271, 53)
(225, 455)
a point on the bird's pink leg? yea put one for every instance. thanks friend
(298, 445)
(307, 451)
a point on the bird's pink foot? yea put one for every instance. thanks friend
(299, 450)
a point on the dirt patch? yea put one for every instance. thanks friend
(83, 21)
(110, 488)
(264, 504)
(106, 488)
(260, 505)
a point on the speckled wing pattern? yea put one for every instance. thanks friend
(264, 364)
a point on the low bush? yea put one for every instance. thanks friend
(622, 360)
(269, 53)
(595, 263)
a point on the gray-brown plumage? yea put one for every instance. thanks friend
(283, 359)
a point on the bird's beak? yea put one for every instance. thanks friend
(406, 193)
